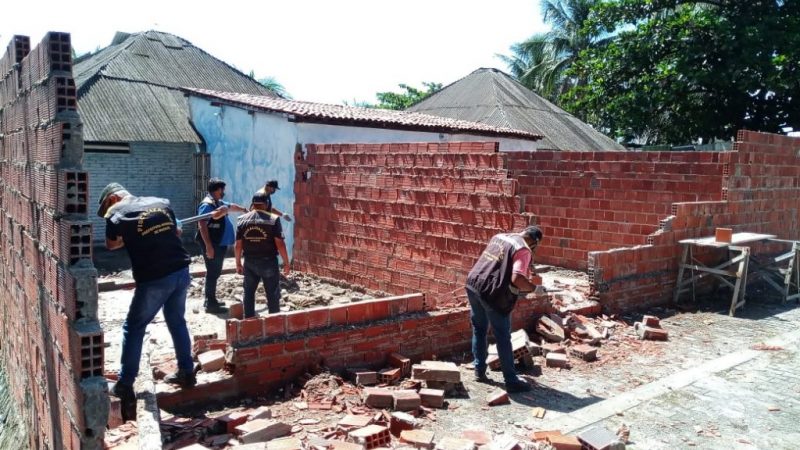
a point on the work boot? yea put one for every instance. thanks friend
(518, 385)
(480, 375)
(123, 391)
(181, 378)
(216, 308)
(127, 400)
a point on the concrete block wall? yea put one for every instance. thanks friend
(159, 169)
(760, 193)
(401, 218)
(53, 345)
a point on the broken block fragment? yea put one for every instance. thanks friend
(432, 398)
(584, 352)
(371, 436)
(418, 438)
(554, 359)
(211, 361)
(406, 400)
(378, 398)
(496, 398)
(262, 430)
(436, 371)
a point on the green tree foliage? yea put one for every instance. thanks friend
(681, 70)
(272, 84)
(409, 96)
(541, 62)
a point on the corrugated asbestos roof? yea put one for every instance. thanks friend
(494, 98)
(130, 90)
(365, 117)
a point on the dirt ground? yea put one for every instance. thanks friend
(298, 291)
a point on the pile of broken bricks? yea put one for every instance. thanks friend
(573, 335)
(597, 438)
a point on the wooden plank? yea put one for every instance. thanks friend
(737, 239)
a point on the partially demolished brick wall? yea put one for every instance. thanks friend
(272, 350)
(401, 218)
(53, 344)
(760, 193)
(413, 217)
(587, 201)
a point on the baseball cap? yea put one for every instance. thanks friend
(111, 188)
(273, 184)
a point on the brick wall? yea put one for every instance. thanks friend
(760, 192)
(53, 344)
(587, 201)
(159, 169)
(269, 351)
(401, 218)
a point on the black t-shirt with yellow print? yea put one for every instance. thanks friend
(257, 230)
(148, 228)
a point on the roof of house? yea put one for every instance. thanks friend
(130, 90)
(493, 97)
(358, 116)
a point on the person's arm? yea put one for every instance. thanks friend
(285, 217)
(522, 283)
(519, 275)
(238, 253)
(237, 208)
(281, 245)
(113, 239)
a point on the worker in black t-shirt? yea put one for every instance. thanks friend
(147, 228)
(259, 237)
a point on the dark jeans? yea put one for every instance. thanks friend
(257, 270)
(213, 271)
(168, 293)
(482, 316)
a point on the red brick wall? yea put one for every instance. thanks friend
(587, 201)
(53, 345)
(761, 188)
(266, 352)
(401, 218)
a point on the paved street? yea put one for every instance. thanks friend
(709, 386)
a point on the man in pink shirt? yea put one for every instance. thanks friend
(495, 282)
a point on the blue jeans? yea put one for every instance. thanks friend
(213, 272)
(482, 316)
(257, 270)
(168, 293)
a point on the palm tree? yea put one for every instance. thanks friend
(540, 61)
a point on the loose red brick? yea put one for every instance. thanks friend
(262, 430)
(418, 438)
(211, 361)
(561, 442)
(585, 352)
(378, 397)
(554, 359)
(432, 398)
(498, 397)
(236, 310)
(406, 400)
(651, 321)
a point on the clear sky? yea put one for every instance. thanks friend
(326, 51)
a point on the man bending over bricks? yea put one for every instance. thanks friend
(147, 228)
(259, 237)
(215, 236)
(493, 285)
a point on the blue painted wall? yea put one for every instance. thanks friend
(247, 150)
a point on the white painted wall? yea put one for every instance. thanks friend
(249, 148)
(312, 133)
